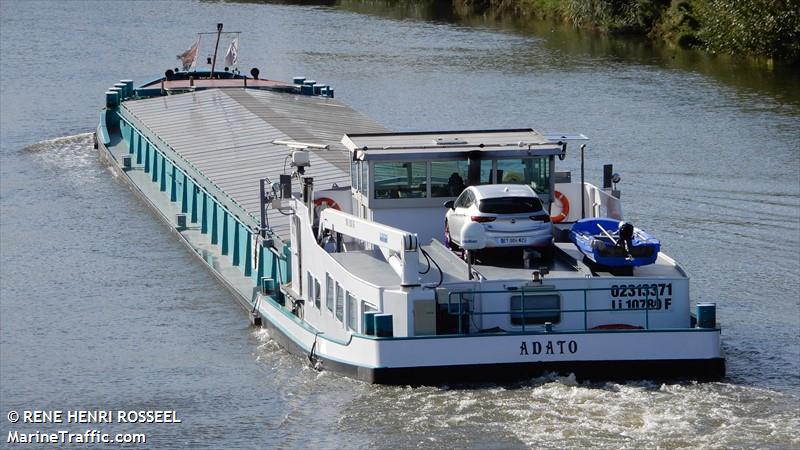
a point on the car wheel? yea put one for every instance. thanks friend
(447, 241)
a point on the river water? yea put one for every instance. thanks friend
(101, 308)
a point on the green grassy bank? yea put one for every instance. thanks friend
(768, 29)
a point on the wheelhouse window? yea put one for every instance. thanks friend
(448, 178)
(535, 172)
(328, 292)
(400, 180)
(538, 309)
(480, 172)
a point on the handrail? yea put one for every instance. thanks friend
(543, 290)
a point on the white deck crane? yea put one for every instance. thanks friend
(399, 247)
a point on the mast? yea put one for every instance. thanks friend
(216, 47)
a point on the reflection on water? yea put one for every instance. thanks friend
(573, 49)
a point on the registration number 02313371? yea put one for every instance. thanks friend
(642, 296)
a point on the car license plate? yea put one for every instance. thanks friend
(513, 241)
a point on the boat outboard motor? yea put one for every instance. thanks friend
(626, 237)
(169, 74)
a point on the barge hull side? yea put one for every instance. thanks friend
(673, 369)
(687, 369)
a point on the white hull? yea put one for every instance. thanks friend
(691, 353)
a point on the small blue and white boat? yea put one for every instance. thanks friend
(614, 243)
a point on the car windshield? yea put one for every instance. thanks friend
(510, 205)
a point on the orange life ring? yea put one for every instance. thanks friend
(328, 202)
(564, 207)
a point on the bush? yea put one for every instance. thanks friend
(768, 28)
(680, 25)
(616, 16)
(754, 27)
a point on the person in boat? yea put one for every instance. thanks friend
(625, 239)
(455, 184)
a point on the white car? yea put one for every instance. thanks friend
(511, 214)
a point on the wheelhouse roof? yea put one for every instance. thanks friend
(517, 142)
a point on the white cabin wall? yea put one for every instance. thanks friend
(396, 303)
(673, 311)
(319, 262)
(598, 203)
(428, 223)
(500, 302)
(314, 259)
(672, 293)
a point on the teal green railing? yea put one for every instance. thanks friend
(531, 292)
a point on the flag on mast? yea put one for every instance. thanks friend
(232, 56)
(189, 57)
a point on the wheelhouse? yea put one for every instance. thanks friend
(411, 175)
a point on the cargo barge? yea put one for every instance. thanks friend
(329, 230)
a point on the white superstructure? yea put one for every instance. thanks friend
(377, 295)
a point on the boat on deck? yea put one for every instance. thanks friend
(327, 228)
(614, 243)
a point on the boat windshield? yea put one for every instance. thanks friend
(535, 172)
(400, 180)
(421, 179)
(449, 178)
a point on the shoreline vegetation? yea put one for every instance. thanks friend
(762, 29)
(766, 32)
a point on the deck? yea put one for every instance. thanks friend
(223, 137)
(567, 263)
